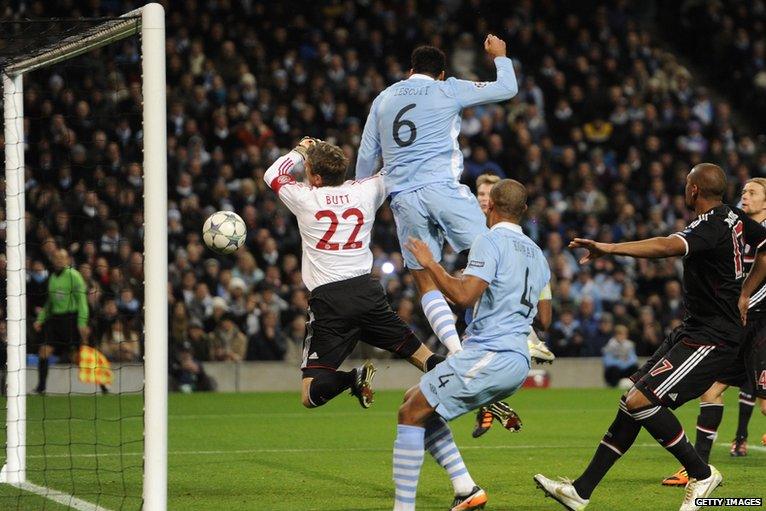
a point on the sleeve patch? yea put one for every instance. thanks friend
(476, 264)
(278, 182)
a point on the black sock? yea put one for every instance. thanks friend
(42, 374)
(617, 440)
(665, 428)
(746, 404)
(328, 385)
(433, 361)
(708, 421)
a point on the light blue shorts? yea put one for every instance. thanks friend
(473, 378)
(435, 213)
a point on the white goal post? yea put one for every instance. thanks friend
(150, 22)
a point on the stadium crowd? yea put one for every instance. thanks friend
(727, 39)
(603, 131)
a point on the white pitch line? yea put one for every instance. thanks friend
(320, 450)
(306, 451)
(59, 497)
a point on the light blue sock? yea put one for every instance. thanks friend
(442, 447)
(440, 317)
(408, 458)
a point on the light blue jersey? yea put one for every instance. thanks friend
(517, 271)
(414, 125)
(494, 361)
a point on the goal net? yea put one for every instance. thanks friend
(85, 236)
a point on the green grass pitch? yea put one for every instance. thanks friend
(265, 452)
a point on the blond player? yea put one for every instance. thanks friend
(346, 304)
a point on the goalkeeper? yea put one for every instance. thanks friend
(63, 320)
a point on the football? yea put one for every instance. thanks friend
(224, 232)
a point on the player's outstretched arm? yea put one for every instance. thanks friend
(669, 246)
(470, 93)
(754, 278)
(463, 290)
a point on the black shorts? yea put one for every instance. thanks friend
(343, 313)
(750, 375)
(682, 369)
(62, 333)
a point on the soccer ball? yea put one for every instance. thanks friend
(224, 232)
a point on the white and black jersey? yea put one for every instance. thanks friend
(714, 269)
(335, 222)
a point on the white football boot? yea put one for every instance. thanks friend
(538, 350)
(700, 489)
(561, 491)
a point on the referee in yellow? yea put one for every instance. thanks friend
(63, 320)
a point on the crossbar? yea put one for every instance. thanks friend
(125, 26)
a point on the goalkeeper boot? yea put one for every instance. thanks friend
(499, 411)
(680, 478)
(738, 447)
(562, 491)
(476, 499)
(362, 386)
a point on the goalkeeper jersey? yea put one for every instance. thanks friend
(335, 221)
(67, 294)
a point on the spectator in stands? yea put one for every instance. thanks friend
(605, 119)
(620, 360)
(227, 342)
(269, 343)
(566, 336)
(121, 342)
(187, 374)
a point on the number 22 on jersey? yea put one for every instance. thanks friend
(352, 243)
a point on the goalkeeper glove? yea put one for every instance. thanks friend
(303, 146)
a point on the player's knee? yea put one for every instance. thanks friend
(305, 401)
(636, 399)
(306, 394)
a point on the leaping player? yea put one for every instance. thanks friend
(413, 126)
(346, 304)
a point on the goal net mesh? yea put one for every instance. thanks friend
(84, 220)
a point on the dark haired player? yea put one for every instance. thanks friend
(694, 354)
(750, 374)
(413, 126)
(346, 305)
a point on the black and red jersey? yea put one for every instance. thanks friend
(714, 268)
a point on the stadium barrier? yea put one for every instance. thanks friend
(282, 376)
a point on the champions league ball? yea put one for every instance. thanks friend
(224, 232)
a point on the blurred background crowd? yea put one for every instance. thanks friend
(608, 120)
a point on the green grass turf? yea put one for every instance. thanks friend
(265, 452)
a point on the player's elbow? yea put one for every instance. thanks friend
(508, 87)
(511, 89)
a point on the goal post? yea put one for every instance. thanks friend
(149, 22)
